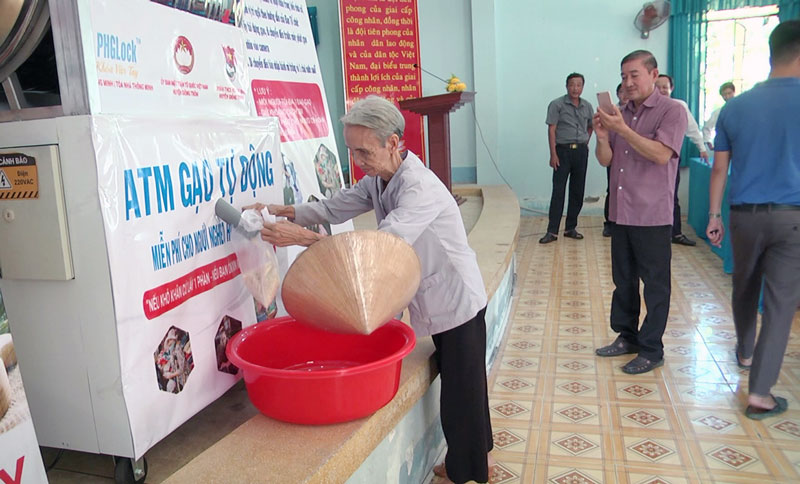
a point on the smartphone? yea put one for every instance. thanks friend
(604, 102)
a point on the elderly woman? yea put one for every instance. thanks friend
(411, 202)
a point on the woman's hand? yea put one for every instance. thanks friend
(277, 210)
(285, 233)
(256, 206)
(282, 210)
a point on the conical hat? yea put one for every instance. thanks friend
(352, 282)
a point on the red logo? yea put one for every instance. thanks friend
(183, 55)
(230, 61)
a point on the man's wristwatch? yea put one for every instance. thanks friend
(714, 215)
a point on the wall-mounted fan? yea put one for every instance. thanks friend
(651, 16)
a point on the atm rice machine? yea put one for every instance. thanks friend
(54, 273)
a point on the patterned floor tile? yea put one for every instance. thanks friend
(508, 439)
(515, 384)
(583, 445)
(510, 410)
(566, 330)
(575, 347)
(626, 390)
(575, 388)
(566, 475)
(706, 422)
(527, 345)
(527, 363)
(577, 366)
(651, 450)
(636, 417)
(574, 413)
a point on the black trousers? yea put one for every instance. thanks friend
(461, 357)
(676, 210)
(572, 166)
(607, 222)
(641, 253)
(766, 246)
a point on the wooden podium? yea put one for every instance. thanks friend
(438, 109)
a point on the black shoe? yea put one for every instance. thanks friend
(548, 237)
(681, 239)
(606, 231)
(573, 234)
(640, 364)
(618, 347)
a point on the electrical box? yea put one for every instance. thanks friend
(34, 243)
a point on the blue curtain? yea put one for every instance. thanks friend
(686, 54)
(788, 10)
(686, 57)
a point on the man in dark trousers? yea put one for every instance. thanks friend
(641, 144)
(569, 127)
(758, 136)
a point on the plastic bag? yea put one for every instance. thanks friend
(257, 260)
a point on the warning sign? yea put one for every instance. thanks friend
(19, 178)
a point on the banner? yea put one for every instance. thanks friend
(285, 81)
(380, 55)
(251, 57)
(178, 284)
(20, 458)
(148, 58)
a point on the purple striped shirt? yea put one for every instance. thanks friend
(641, 191)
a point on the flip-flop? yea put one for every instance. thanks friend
(755, 413)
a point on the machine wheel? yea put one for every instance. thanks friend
(123, 471)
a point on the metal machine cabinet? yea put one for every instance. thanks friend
(32, 209)
(54, 271)
(64, 328)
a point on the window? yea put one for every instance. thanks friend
(736, 50)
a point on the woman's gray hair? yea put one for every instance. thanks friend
(377, 114)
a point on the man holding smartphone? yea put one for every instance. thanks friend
(622, 100)
(569, 127)
(641, 144)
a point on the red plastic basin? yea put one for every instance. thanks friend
(305, 375)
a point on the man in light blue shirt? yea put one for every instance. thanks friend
(758, 137)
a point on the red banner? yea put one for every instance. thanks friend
(298, 106)
(168, 296)
(380, 50)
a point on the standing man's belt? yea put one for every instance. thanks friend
(763, 207)
(571, 146)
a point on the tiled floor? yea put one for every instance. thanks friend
(562, 415)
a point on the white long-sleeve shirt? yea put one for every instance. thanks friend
(710, 128)
(692, 129)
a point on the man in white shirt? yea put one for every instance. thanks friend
(665, 86)
(727, 91)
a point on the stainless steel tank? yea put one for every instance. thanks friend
(23, 23)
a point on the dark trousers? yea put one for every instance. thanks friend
(572, 166)
(766, 245)
(460, 355)
(676, 210)
(607, 222)
(641, 253)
